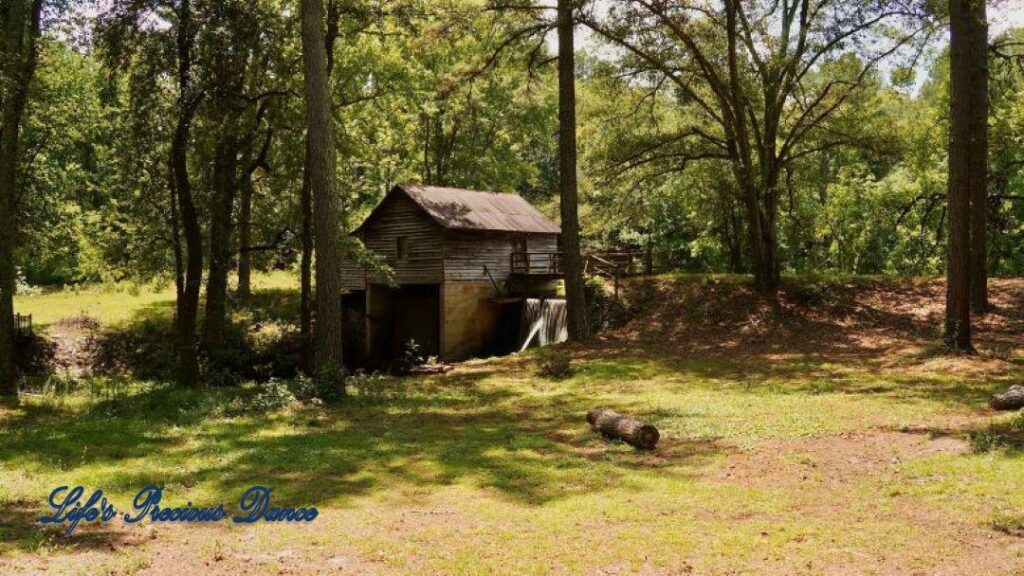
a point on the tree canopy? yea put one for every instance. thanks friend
(166, 139)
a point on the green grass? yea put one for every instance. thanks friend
(492, 469)
(112, 304)
(1009, 523)
(1006, 434)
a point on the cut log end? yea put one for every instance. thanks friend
(1012, 399)
(612, 425)
(647, 437)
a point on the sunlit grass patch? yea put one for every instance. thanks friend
(115, 303)
(108, 304)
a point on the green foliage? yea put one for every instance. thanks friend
(328, 390)
(1006, 147)
(1005, 435)
(304, 388)
(604, 310)
(868, 197)
(34, 354)
(258, 347)
(418, 97)
(141, 349)
(422, 94)
(71, 135)
(410, 357)
(329, 383)
(269, 397)
(375, 388)
(553, 363)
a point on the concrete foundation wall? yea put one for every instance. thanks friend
(470, 323)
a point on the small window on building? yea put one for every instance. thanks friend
(519, 244)
(402, 248)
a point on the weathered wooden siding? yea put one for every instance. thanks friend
(353, 277)
(466, 254)
(400, 217)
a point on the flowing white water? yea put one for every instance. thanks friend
(544, 322)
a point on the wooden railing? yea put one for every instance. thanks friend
(611, 264)
(536, 263)
(606, 264)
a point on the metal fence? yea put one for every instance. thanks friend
(23, 324)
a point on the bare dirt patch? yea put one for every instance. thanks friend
(73, 339)
(876, 323)
(831, 470)
(834, 461)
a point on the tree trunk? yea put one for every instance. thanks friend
(976, 60)
(770, 239)
(649, 257)
(179, 257)
(322, 167)
(245, 239)
(188, 304)
(572, 262)
(735, 255)
(733, 235)
(308, 352)
(225, 179)
(20, 56)
(245, 216)
(763, 246)
(8, 240)
(617, 427)
(306, 274)
(961, 126)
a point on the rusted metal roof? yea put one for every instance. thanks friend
(459, 209)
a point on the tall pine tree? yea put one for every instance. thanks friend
(322, 166)
(968, 161)
(567, 187)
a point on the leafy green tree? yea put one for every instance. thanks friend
(21, 21)
(746, 70)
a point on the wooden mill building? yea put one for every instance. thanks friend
(462, 259)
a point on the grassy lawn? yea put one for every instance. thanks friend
(779, 462)
(112, 304)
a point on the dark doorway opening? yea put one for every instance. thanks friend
(353, 309)
(398, 316)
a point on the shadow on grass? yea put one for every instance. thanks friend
(262, 341)
(816, 332)
(456, 430)
(20, 527)
(793, 374)
(524, 440)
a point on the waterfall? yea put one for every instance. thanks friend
(544, 322)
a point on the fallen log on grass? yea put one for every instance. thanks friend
(1012, 399)
(612, 425)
